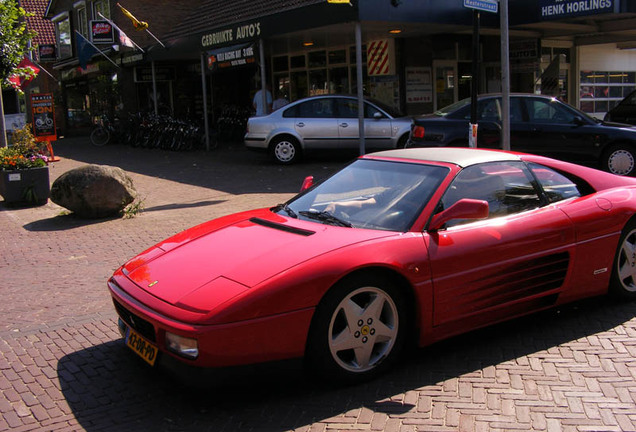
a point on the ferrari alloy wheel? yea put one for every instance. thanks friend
(285, 150)
(620, 160)
(623, 282)
(358, 330)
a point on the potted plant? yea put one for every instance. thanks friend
(24, 173)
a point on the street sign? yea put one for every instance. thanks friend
(482, 5)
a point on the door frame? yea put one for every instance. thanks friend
(444, 63)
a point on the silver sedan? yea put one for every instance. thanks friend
(325, 123)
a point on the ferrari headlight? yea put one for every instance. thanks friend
(183, 346)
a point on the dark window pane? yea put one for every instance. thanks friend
(336, 57)
(317, 59)
(297, 61)
(280, 64)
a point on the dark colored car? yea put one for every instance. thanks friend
(540, 125)
(625, 111)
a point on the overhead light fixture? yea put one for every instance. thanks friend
(395, 31)
(308, 44)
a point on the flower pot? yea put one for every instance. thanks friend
(25, 187)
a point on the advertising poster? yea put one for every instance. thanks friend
(229, 57)
(102, 32)
(43, 114)
(419, 85)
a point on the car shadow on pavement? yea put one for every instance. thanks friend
(109, 388)
(230, 168)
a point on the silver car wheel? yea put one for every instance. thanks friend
(284, 151)
(620, 162)
(626, 262)
(363, 329)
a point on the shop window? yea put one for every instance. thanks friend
(317, 59)
(318, 82)
(63, 36)
(339, 80)
(102, 7)
(82, 25)
(280, 64)
(600, 91)
(338, 57)
(298, 85)
(297, 61)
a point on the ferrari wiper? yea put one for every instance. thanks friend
(286, 209)
(327, 217)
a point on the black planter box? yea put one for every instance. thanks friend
(25, 187)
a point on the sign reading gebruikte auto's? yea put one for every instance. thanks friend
(557, 9)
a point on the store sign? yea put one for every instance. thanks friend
(240, 33)
(482, 5)
(144, 74)
(558, 9)
(43, 114)
(46, 53)
(380, 57)
(524, 49)
(102, 32)
(230, 57)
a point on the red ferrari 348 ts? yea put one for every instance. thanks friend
(402, 246)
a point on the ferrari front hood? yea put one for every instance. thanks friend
(245, 251)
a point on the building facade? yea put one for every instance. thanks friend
(416, 55)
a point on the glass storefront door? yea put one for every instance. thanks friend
(445, 88)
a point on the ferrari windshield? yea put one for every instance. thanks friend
(370, 194)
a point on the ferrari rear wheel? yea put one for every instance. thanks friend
(623, 283)
(358, 330)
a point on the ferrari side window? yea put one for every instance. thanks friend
(556, 186)
(506, 186)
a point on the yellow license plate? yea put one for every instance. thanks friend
(141, 346)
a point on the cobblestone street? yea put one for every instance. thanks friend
(64, 367)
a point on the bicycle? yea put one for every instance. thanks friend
(105, 131)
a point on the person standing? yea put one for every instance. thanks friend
(257, 102)
(280, 101)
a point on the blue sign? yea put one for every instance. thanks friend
(557, 9)
(482, 5)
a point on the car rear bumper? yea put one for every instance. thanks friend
(255, 143)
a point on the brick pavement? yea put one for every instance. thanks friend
(63, 366)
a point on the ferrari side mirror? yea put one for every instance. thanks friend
(307, 183)
(462, 209)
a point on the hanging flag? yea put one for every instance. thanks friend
(125, 40)
(123, 37)
(85, 49)
(21, 81)
(139, 25)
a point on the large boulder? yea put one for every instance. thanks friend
(94, 191)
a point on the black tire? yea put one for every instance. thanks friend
(623, 280)
(100, 136)
(402, 141)
(358, 331)
(620, 159)
(285, 150)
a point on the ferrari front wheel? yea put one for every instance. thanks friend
(623, 283)
(358, 330)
